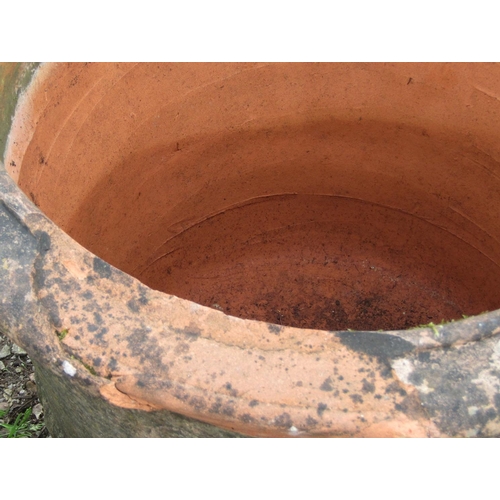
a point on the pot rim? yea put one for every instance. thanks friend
(172, 354)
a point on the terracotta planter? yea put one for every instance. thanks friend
(251, 249)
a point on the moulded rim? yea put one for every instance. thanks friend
(147, 350)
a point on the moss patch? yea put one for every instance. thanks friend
(14, 78)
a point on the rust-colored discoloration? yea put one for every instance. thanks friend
(283, 213)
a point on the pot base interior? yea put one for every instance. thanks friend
(339, 198)
(325, 262)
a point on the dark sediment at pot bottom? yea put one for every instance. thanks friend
(327, 263)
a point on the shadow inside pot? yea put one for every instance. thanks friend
(323, 224)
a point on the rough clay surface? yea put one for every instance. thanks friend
(123, 352)
(146, 352)
(353, 196)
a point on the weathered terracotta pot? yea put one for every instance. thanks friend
(252, 249)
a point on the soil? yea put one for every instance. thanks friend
(18, 390)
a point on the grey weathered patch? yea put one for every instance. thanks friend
(322, 407)
(181, 348)
(327, 385)
(275, 329)
(496, 401)
(382, 345)
(137, 339)
(192, 333)
(52, 308)
(133, 306)
(113, 364)
(356, 398)
(395, 387)
(456, 386)
(143, 291)
(44, 241)
(197, 403)
(99, 336)
(228, 409)
(424, 357)
(367, 387)
(247, 418)
(411, 406)
(311, 422)
(103, 269)
(146, 349)
(40, 274)
(283, 420)
(216, 406)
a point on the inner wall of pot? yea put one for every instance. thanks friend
(325, 196)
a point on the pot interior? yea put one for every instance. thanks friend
(329, 196)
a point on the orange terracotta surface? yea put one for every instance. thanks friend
(293, 200)
(277, 191)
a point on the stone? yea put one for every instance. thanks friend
(31, 386)
(18, 350)
(5, 352)
(37, 410)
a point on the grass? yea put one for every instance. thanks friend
(21, 428)
(443, 322)
(62, 333)
(433, 327)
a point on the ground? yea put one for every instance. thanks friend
(21, 414)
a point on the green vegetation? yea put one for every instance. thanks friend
(86, 366)
(21, 428)
(14, 78)
(434, 327)
(89, 368)
(62, 333)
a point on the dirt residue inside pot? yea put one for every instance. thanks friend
(325, 262)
